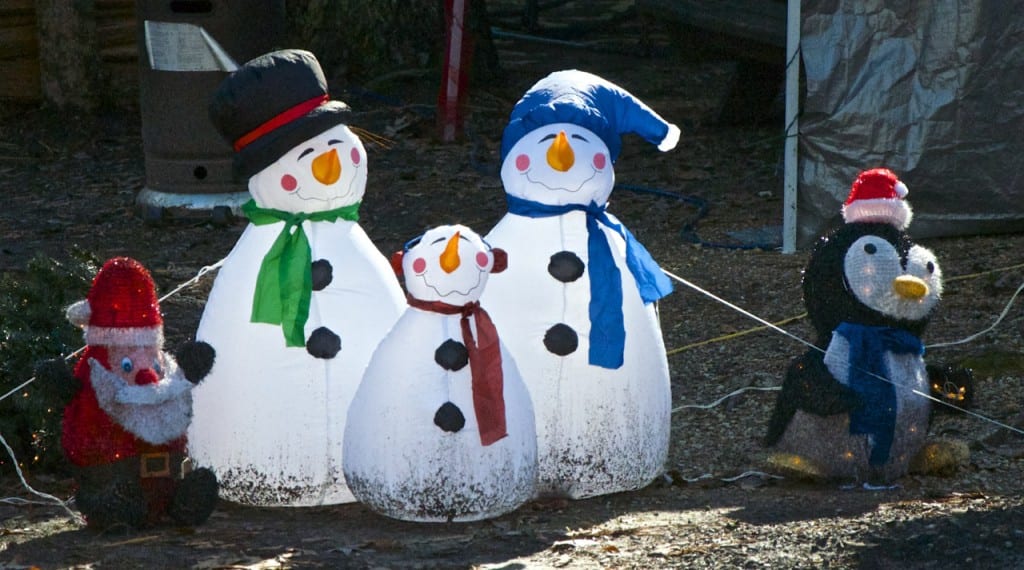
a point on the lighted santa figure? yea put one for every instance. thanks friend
(124, 430)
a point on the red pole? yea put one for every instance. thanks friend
(454, 76)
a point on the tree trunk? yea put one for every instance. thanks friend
(68, 54)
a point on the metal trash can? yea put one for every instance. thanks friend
(186, 47)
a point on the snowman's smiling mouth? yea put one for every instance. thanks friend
(452, 291)
(329, 200)
(561, 188)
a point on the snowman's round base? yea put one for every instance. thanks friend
(154, 205)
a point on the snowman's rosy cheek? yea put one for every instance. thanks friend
(522, 162)
(356, 157)
(600, 161)
(481, 259)
(289, 183)
(419, 265)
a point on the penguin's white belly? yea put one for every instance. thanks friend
(269, 418)
(401, 463)
(599, 430)
(827, 441)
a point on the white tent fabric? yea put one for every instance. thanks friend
(932, 89)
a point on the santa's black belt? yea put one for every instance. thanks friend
(161, 464)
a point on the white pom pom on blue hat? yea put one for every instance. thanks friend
(592, 102)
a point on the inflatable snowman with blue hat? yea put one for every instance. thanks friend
(442, 427)
(856, 411)
(302, 299)
(576, 305)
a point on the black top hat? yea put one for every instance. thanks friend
(272, 103)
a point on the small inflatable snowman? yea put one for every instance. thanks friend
(442, 428)
(577, 304)
(302, 299)
(850, 412)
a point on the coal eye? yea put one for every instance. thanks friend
(126, 364)
(870, 249)
(930, 267)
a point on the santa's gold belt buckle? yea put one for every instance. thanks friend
(155, 465)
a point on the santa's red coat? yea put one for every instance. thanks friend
(90, 436)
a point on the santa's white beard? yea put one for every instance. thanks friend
(156, 413)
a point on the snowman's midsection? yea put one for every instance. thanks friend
(546, 293)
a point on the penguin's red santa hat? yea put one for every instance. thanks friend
(121, 308)
(877, 195)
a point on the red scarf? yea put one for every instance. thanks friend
(484, 365)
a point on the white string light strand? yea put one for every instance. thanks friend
(726, 397)
(998, 320)
(811, 345)
(49, 498)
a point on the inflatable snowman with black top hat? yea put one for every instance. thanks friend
(303, 298)
(442, 427)
(851, 412)
(576, 306)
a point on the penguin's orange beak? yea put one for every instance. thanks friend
(560, 155)
(450, 256)
(327, 167)
(910, 287)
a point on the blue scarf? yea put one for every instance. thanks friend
(868, 347)
(607, 330)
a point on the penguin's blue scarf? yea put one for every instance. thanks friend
(607, 329)
(868, 347)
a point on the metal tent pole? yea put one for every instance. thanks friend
(792, 126)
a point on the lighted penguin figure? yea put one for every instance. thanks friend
(576, 305)
(851, 413)
(442, 427)
(301, 301)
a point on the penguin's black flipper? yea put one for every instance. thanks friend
(810, 387)
(818, 391)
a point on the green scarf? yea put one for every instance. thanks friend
(284, 285)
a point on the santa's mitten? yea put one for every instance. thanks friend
(195, 498)
(952, 385)
(117, 502)
(196, 360)
(54, 377)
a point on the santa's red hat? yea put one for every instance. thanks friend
(878, 195)
(121, 309)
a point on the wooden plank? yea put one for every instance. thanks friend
(19, 46)
(16, 8)
(18, 42)
(119, 54)
(116, 34)
(21, 80)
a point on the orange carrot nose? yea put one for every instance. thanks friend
(327, 167)
(450, 255)
(560, 154)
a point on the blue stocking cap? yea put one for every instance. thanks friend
(584, 99)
